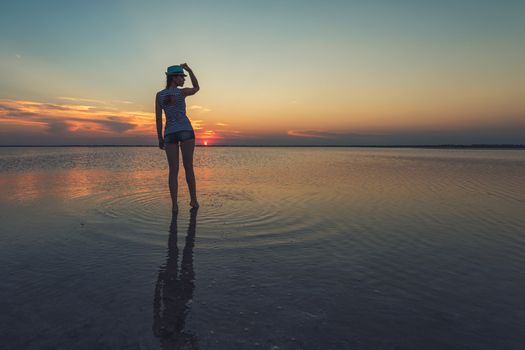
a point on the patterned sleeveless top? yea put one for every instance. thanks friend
(174, 105)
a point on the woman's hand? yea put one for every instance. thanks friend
(194, 82)
(161, 143)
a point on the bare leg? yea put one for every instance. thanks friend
(172, 153)
(187, 148)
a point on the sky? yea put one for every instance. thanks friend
(377, 72)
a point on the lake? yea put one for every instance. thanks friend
(292, 248)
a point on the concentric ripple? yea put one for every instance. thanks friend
(230, 218)
(260, 219)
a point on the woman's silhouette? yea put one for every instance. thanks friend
(178, 129)
(174, 291)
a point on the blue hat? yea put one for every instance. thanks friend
(175, 70)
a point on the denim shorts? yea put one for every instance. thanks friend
(175, 137)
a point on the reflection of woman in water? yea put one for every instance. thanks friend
(174, 291)
(178, 129)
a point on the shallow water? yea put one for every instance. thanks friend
(292, 248)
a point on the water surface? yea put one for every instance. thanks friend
(292, 248)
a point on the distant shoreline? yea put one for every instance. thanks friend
(473, 146)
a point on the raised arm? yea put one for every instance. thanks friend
(193, 90)
(158, 118)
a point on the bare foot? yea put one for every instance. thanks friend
(194, 203)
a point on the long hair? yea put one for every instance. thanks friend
(169, 79)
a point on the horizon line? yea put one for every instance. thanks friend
(508, 146)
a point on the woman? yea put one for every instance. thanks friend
(178, 129)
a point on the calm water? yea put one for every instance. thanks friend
(292, 248)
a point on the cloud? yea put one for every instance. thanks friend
(313, 134)
(67, 120)
(80, 121)
(116, 125)
(199, 108)
(7, 108)
(333, 136)
(58, 127)
(78, 99)
(197, 124)
(112, 105)
(215, 132)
